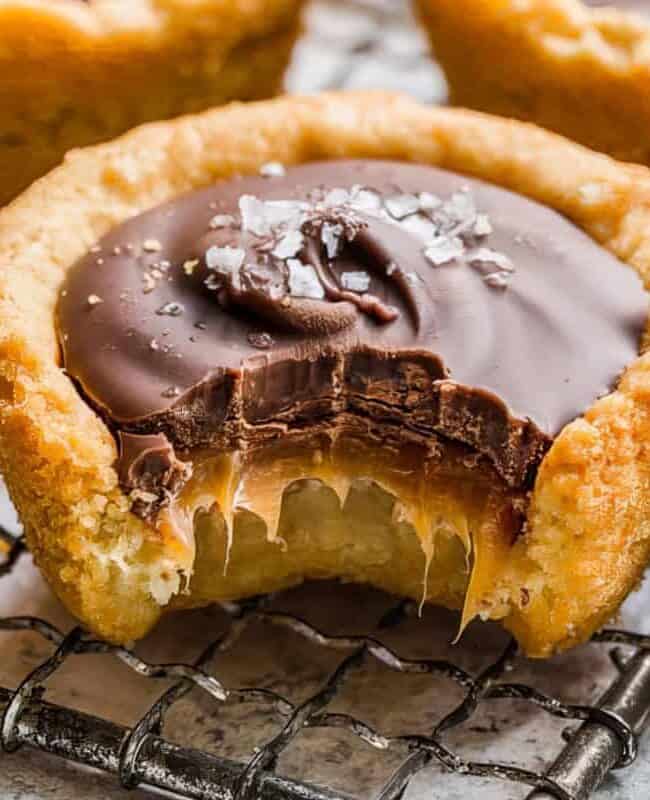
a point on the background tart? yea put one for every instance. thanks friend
(76, 73)
(579, 68)
(586, 537)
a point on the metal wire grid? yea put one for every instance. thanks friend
(139, 755)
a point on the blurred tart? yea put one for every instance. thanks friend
(341, 336)
(579, 68)
(76, 72)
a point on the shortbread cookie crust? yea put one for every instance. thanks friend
(75, 73)
(588, 533)
(582, 71)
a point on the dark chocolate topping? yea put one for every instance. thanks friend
(149, 469)
(403, 293)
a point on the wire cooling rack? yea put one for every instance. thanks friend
(140, 755)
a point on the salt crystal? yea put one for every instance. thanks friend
(289, 246)
(460, 207)
(284, 212)
(224, 259)
(94, 300)
(356, 281)
(171, 309)
(428, 201)
(190, 266)
(444, 249)
(485, 255)
(336, 197)
(402, 205)
(364, 199)
(497, 280)
(330, 236)
(253, 218)
(222, 221)
(303, 280)
(482, 226)
(420, 226)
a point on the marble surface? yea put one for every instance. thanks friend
(362, 44)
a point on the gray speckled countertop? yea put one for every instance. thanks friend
(362, 44)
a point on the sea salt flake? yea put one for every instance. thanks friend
(289, 245)
(171, 309)
(356, 281)
(482, 226)
(444, 249)
(153, 345)
(497, 280)
(303, 280)
(287, 213)
(420, 226)
(485, 255)
(222, 221)
(212, 282)
(190, 266)
(336, 197)
(460, 207)
(226, 260)
(428, 201)
(273, 169)
(364, 199)
(253, 217)
(330, 236)
(94, 300)
(402, 205)
(151, 246)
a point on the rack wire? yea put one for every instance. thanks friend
(139, 755)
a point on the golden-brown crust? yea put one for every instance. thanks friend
(76, 73)
(588, 537)
(574, 69)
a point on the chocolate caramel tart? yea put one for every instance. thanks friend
(273, 350)
(578, 67)
(77, 72)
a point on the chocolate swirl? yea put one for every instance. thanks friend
(402, 293)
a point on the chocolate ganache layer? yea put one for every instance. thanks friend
(400, 293)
